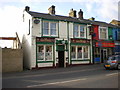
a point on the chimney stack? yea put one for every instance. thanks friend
(72, 13)
(52, 10)
(27, 8)
(92, 18)
(80, 14)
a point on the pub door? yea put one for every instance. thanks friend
(61, 58)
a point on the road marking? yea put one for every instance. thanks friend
(111, 74)
(61, 82)
(34, 75)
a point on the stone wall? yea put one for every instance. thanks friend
(12, 60)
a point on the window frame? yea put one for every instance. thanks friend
(76, 52)
(106, 28)
(44, 48)
(49, 28)
(79, 31)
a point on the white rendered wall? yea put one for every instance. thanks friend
(62, 30)
(27, 41)
(36, 28)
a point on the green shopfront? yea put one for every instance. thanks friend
(80, 51)
(45, 53)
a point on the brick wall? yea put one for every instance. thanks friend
(12, 60)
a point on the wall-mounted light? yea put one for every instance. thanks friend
(36, 21)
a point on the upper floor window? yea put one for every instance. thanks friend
(50, 28)
(103, 33)
(118, 35)
(79, 31)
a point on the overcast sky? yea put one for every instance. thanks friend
(11, 12)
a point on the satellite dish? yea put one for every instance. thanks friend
(36, 21)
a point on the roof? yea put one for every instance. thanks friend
(70, 19)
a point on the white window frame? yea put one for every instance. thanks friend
(85, 29)
(49, 29)
(106, 33)
(76, 51)
(44, 46)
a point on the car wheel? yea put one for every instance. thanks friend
(118, 67)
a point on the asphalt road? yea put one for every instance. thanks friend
(84, 76)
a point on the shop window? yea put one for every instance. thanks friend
(73, 52)
(109, 51)
(97, 52)
(44, 52)
(79, 31)
(48, 53)
(79, 52)
(50, 28)
(40, 53)
(85, 52)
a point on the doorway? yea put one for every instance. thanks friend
(103, 55)
(61, 58)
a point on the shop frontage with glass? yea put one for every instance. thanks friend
(80, 51)
(45, 52)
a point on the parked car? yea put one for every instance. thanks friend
(113, 62)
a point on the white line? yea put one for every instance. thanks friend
(61, 82)
(111, 74)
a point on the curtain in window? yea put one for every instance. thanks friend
(75, 31)
(53, 28)
(45, 28)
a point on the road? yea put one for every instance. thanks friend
(83, 76)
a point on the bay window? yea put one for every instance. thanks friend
(50, 28)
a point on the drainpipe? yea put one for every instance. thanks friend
(92, 42)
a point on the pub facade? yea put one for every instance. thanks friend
(52, 40)
(55, 41)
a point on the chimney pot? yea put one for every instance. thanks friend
(80, 14)
(72, 13)
(52, 10)
(92, 18)
(27, 8)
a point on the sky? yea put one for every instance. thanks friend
(11, 12)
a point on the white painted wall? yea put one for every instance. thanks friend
(36, 28)
(33, 53)
(70, 30)
(27, 41)
(80, 62)
(62, 30)
(45, 64)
